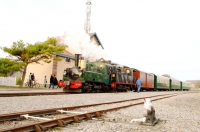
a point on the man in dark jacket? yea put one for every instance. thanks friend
(33, 78)
(51, 81)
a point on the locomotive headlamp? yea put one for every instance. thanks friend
(113, 75)
(127, 71)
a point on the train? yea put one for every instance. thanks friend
(104, 76)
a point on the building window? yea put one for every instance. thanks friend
(67, 59)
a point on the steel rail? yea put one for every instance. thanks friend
(42, 126)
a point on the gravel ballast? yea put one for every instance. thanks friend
(178, 114)
(26, 103)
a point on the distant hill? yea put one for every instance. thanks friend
(166, 75)
(196, 82)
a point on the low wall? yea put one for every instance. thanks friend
(8, 81)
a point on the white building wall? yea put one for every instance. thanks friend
(39, 70)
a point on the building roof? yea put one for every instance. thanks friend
(98, 40)
(65, 54)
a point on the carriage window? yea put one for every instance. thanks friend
(67, 59)
(101, 67)
(98, 70)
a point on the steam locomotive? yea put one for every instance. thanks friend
(102, 76)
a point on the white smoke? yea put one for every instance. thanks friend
(80, 43)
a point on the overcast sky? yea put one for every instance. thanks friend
(155, 36)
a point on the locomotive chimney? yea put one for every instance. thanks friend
(77, 56)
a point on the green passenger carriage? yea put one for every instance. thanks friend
(162, 83)
(175, 85)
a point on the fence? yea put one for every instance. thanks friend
(8, 81)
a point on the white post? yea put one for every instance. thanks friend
(32, 117)
(73, 112)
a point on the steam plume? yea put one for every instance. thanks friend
(80, 43)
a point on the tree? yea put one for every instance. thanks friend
(8, 65)
(33, 53)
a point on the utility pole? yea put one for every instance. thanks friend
(88, 12)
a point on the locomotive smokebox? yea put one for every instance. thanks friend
(77, 57)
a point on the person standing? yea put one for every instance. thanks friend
(138, 84)
(45, 81)
(51, 81)
(30, 80)
(33, 79)
(55, 81)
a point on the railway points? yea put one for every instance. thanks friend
(63, 120)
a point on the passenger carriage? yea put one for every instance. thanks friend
(161, 83)
(175, 85)
(147, 79)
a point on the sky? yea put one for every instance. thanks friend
(155, 36)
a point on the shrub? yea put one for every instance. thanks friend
(18, 80)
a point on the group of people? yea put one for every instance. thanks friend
(53, 81)
(31, 79)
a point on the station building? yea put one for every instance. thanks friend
(56, 67)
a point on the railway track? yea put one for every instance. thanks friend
(41, 121)
(30, 94)
(14, 94)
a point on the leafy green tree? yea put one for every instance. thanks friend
(8, 65)
(33, 53)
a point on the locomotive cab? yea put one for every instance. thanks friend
(122, 78)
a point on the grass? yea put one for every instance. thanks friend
(3, 86)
